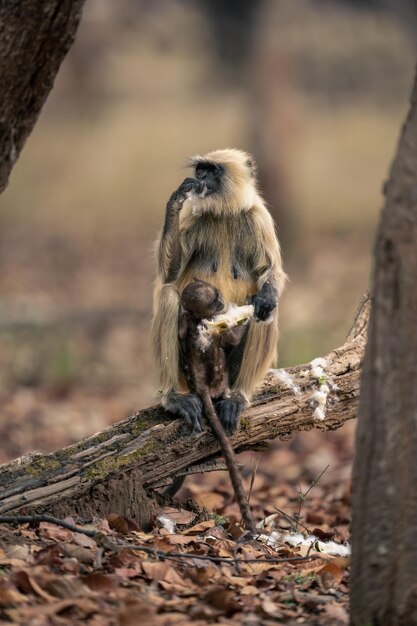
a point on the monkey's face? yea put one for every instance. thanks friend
(210, 176)
(201, 299)
(226, 180)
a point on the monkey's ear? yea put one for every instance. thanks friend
(182, 326)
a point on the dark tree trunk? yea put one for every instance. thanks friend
(384, 566)
(35, 36)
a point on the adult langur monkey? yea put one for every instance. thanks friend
(217, 228)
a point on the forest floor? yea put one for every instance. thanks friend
(77, 227)
(171, 575)
(75, 358)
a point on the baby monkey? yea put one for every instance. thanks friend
(205, 369)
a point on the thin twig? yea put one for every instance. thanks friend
(35, 519)
(252, 479)
(292, 520)
(231, 462)
(302, 496)
(315, 482)
(221, 559)
(253, 475)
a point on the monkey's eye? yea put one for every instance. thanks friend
(205, 170)
(200, 172)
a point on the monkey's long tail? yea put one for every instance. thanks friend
(232, 466)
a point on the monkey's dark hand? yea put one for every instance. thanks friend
(188, 406)
(229, 410)
(180, 195)
(265, 302)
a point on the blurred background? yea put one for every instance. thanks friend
(315, 89)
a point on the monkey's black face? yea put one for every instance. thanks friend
(202, 299)
(210, 176)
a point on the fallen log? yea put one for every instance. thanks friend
(120, 469)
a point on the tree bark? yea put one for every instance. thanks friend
(384, 566)
(35, 36)
(118, 469)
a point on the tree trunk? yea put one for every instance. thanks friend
(384, 566)
(117, 469)
(35, 36)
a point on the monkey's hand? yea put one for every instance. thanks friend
(188, 406)
(179, 196)
(229, 410)
(265, 302)
(233, 336)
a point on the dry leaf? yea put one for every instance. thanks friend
(211, 501)
(10, 562)
(128, 572)
(83, 555)
(26, 614)
(204, 575)
(222, 599)
(9, 595)
(99, 582)
(175, 583)
(143, 537)
(155, 570)
(28, 584)
(179, 516)
(17, 551)
(84, 541)
(166, 576)
(330, 575)
(48, 555)
(270, 608)
(254, 569)
(56, 533)
(200, 528)
(121, 524)
(322, 534)
(180, 540)
(249, 590)
(70, 566)
(223, 547)
(67, 587)
(130, 615)
(337, 613)
(341, 561)
(148, 617)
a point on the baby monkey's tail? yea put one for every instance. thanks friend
(232, 466)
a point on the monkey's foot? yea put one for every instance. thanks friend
(188, 406)
(229, 410)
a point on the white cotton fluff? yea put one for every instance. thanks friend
(319, 362)
(286, 379)
(317, 367)
(319, 414)
(234, 316)
(327, 547)
(297, 539)
(319, 397)
(167, 523)
(205, 337)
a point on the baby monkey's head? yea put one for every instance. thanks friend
(201, 299)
